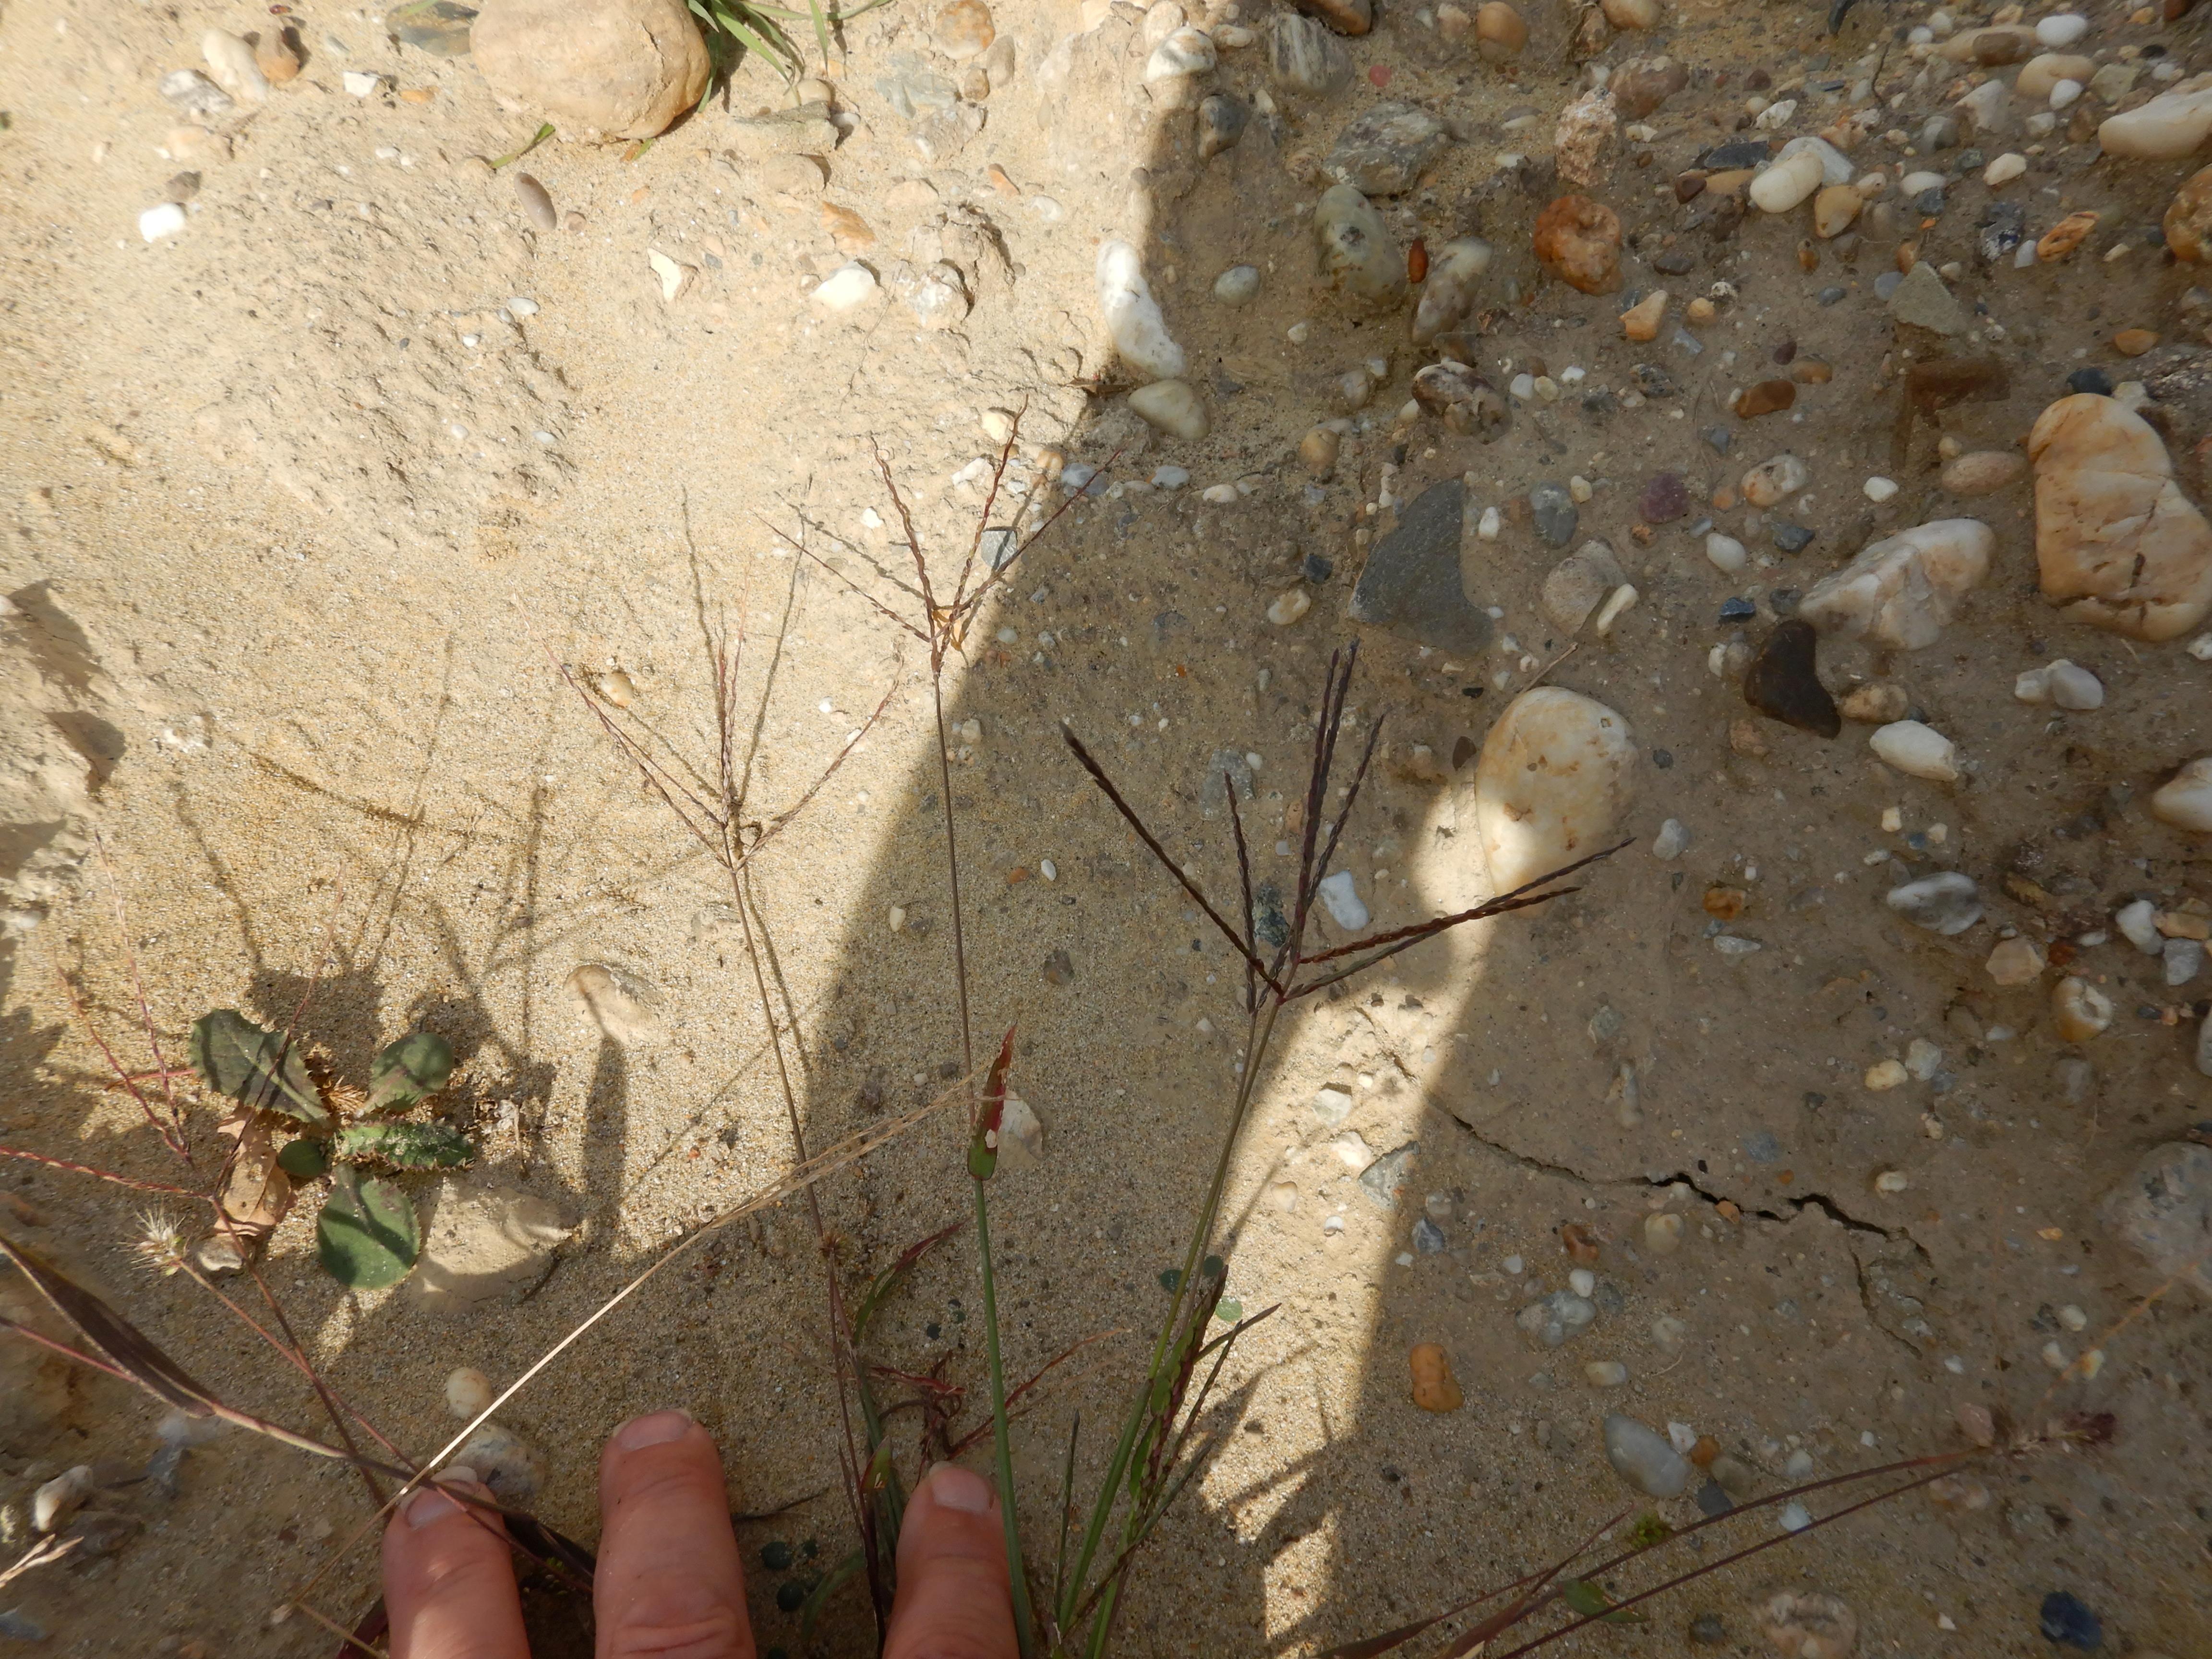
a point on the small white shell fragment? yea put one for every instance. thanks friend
(162, 219)
(1289, 607)
(674, 275)
(361, 83)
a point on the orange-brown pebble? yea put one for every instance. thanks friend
(1578, 1242)
(1578, 241)
(1726, 903)
(1704, 1451)
(2069, 233)
(417, 94)
(1767, 398)
(1435, 1388)
(2133, 342)
(1728, 1210)
(1812, 371)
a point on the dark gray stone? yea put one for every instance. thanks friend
(1555, 511)
(1411, 585)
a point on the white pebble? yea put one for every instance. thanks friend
(1583, 1282)
(521, 307)
(1170, 477)
(1796, 1517)
(2006, 168)
(1288, 607)
(468, 1393)
(1878, 488)
(1341, 895)
(1916, 749)
(2200, 648)
(1725, 551)
(1492, 523)
(846, 289)
(1220, 495)
(1672, 840)
(163, 219)
(2063, 95)
(2061, 29)
(361, 83)
(1512, 1264)
(1047, 869)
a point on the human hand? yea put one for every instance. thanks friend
(669, 1582)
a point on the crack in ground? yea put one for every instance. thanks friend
(1795, 1207)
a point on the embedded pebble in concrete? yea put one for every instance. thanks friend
(1358, 254)
(1555, 776)
(1132, 316)
(1902, 591)
(1643, 1457)
(1947, 903)
(1917, 750)
(1239, 285)
(2184, 800)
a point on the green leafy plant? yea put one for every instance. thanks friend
(367, 1235)
(734, 29)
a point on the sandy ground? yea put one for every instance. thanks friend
(303, 512)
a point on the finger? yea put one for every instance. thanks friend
(668, 1583)
(953, 1601)
(449, 1580)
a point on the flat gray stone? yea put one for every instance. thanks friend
(1922, 300)
(1410, 584)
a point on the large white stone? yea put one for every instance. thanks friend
(2116, 541)
(2172, 124)
(1902, 591)
(1556, 776)
(1132, 316)
(2187, 801)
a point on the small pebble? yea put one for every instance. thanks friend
(468, 1393)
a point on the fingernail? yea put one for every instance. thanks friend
(465, 1478)
(427, 1506)
(655, 1429)
(959, 1489)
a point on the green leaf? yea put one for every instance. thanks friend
(304, 1159)
(413, 1068)
(254, 1067)
(544, 132)
(1591, 1602)
(1229, 1310)
(819, 1595)
(367, 1235)
(403, 1145)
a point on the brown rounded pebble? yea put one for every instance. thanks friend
(1813, 371)
(1500, 32)
(417, 94)
(1578, 1242)
(1767, 398)
(2133, 342)
(1435, 1388)
(1726, 903)
(1578, 241)
(1688, 186)
(1875, 704)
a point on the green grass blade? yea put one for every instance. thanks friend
(1000, 1441)
(821, 30)
(1066, 1503)
(822, 1592)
